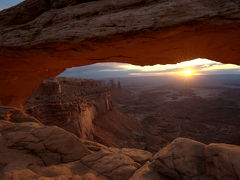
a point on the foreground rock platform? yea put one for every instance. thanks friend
(30, 150)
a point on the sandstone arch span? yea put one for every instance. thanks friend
(40, 38)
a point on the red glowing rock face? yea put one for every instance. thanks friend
(60, 34)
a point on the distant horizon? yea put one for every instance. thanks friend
(107, 70)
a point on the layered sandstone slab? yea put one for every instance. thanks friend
(74, 22)
(34, 151)
(57, 34)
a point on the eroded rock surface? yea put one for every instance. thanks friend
(146, 172)
(61, 20)
(34, 151)
(182, 159)
(223, 161)
(15, 115)
(71, 104)
(51, 144)
(188, 159)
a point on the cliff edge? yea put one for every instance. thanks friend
(83, 107)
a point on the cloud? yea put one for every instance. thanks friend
(2, 7)
(108, 70)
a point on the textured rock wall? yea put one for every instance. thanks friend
(83, 107)
(67, 21)
(59, 34)
(72, 104)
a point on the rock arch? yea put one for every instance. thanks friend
(40, 38)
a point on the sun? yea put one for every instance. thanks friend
(187, 72)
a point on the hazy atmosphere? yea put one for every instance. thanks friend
(192, 67)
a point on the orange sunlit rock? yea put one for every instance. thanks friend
(58, 35)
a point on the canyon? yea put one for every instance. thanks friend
(60, 129)
(201, 108)
(84, 108)
(141, 114)
(56, 139)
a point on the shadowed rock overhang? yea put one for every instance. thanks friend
(40, 38)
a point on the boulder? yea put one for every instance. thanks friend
(181, 159)
(189, 160)
(51, 144)
(223, 161)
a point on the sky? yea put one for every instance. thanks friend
(112, 70)
(8, 3)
